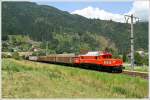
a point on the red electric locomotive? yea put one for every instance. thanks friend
(102, 59)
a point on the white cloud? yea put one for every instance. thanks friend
(91, 12)
(139, 9)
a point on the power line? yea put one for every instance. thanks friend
(127, 17)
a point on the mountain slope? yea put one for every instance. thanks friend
(67, 31)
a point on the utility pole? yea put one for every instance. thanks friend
(46, 39)
(127, 17)
(46, 48)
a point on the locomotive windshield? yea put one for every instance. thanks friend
(107, 56)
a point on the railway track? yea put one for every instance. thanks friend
(136, 73)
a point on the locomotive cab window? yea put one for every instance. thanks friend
(107, 56)
(96, 57)
(82, 57)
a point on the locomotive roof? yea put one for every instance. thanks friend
(96, 53)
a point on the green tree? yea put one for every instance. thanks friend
(124, 57)
(145, 60)
(138, 59)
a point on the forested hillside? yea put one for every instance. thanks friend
(66, 32)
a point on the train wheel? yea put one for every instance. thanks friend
(110, 70)
(120, 70)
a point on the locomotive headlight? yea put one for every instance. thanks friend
(114, 61)
(107, 62)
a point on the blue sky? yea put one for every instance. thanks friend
(113, 7)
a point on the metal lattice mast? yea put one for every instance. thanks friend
(132, 44)
(131, 37)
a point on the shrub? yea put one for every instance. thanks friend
(6, 55)
(16, 56)
(38, 53)
(139, 59)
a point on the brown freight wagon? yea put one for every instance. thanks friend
(58, 58)
(65, 58)
(49, 58)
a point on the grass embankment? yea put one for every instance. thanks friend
(138, 68)
(25, 79)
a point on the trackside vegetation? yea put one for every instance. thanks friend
(138, 68)
(26, 79)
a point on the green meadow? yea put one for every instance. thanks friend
(26, 79)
